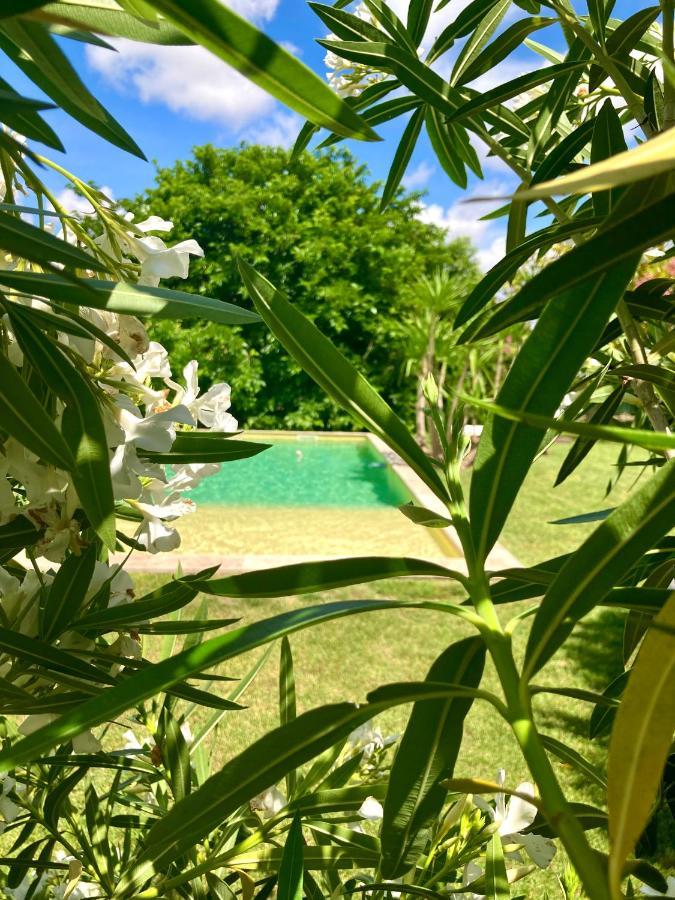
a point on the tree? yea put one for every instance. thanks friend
(313, 223)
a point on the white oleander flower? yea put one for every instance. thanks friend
(154, 534)
(513, 816)
(346, 78)
(269, 802)
(9, 810)
(85, 742)
(371, 809)
(211, 408)
(157, 260)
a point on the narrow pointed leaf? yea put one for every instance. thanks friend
(67, 592)
(325, 575)
(289, 884)
(402, 156)
(287, 705)
(641, 739)
(30, 46)
(601, 562)
(335, 374)
(127, 299)
(24, 417)
(651, 158)
(25, 240)
(263, 763)
(611, 246)
(151, 679)
(496, 881)
(564, 336)
(427, 755)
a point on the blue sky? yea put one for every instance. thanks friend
(171, 99)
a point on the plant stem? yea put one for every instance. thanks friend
(668, 13)
(521, 718)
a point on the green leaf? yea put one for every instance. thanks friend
(464, 24)
(194, 626)
(427, 755)
(614, 245)
(496, 881)
(287, 705)
(265, 63)
(541, 374)
(110, 20)
(175, 754)
(263, 763)
(482, 33)
(500, 48)
(419, 12)
(600, 563)
(570, 757)
(66, 593)
(38, 653)
(166, 599)
(509, 89)
(603, 714)
(402, 156)
(24, 417)
(649, 159)
(325, 575)
(126, 299)
(19, 7)
(289, 884)
(564, 154)
(427, 517)
(82, 425)
(622, 40)
(204, 447)
(391, 23)
(505, 269)
(21, 115)
(347, 26)
(583, 445)
(25, 240)
(445, 143)
(652, 440)
(517, 222)
(608, 140)
(421, 81)
(641, 739)
(30, 47)
(323, 362)
(151, 679)
(17, 534)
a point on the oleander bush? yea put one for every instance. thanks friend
(108, 788)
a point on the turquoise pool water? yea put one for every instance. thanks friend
(306, 471)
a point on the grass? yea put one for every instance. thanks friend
(345, 659)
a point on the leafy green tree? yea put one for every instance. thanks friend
(314, 224)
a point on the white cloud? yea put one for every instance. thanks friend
(419, 176)
(462, 219)
(76, 203)
(188, 80)
(279, 130)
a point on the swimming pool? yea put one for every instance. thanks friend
(309, 471)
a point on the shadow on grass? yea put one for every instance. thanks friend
(594, 649)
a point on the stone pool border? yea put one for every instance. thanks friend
(499, 557)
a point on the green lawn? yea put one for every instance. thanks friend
(344, 659)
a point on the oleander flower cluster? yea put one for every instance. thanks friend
(346, 78)
(144, 405)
